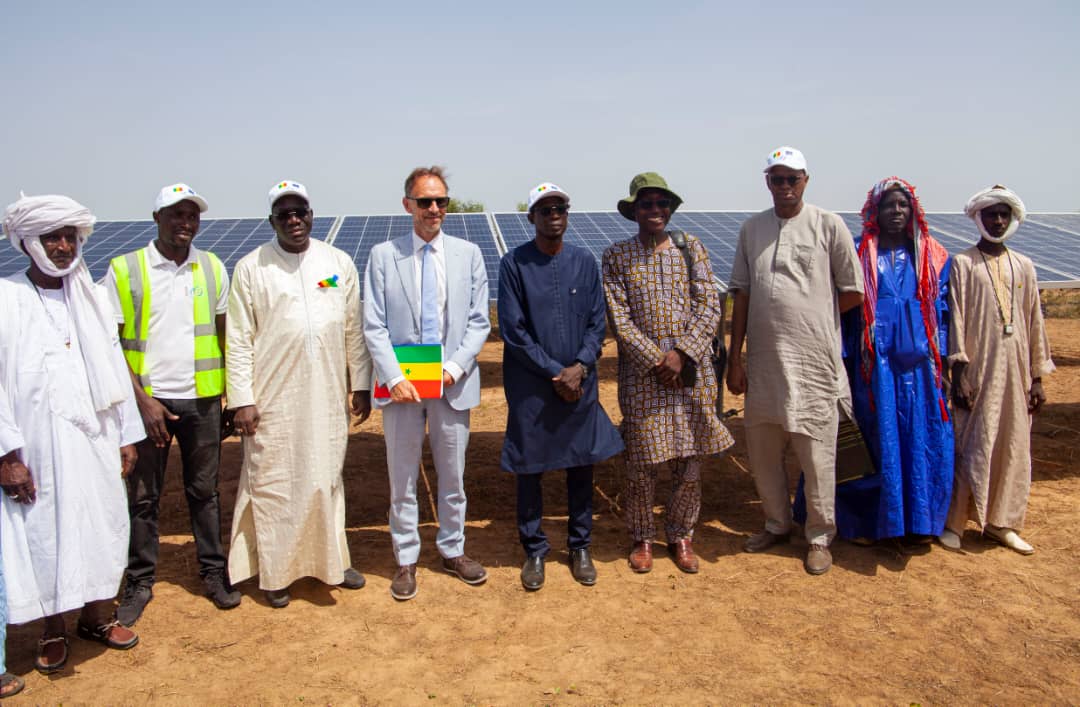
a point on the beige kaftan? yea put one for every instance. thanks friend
(292, 349)
(993, 439)
(793, 270)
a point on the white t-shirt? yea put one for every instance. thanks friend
(170, 350)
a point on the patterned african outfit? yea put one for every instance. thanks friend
(653, 308)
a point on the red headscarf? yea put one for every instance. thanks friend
(930, 258)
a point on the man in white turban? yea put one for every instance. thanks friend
(63, 515)
(999, 353)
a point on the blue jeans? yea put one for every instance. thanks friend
(198, 432)
(530, 511)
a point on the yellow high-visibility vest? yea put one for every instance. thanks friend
(133, 286)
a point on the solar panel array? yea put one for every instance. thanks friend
(229, 239)
(1051, 240)
(357, 235)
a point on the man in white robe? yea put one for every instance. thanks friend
(63, 516)
(999, 353)
(294, 349)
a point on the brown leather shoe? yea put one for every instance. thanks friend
(467, 570)
(818, 559)
(760, 542)
(52, 654)
(403, 586)
(641, 557)
(112, 634)
(683, 552)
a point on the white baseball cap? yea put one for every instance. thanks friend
(543, 191)
(785, 157)
(174, 194)
(286, 187)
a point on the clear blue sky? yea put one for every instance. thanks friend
(109, 101)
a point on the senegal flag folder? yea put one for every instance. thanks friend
(421, 364)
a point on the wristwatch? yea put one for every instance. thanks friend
(584, 368)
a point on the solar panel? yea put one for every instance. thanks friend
(229, 239)
(357, 235)
(1069, 223)
(1054, 252)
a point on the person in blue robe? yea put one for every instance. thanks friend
(894, 346)
(551, 319)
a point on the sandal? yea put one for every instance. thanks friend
(44, 667)
(8, 680)
(111, 634)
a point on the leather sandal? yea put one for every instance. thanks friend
(105, 634)
(10, 685)
(44, 667)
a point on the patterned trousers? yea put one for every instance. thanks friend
(683, 506)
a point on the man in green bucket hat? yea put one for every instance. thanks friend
(664, 307)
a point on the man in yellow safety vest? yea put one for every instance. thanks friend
(170, 299)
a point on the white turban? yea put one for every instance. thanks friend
(996, 194)
(37, 215)
(27, 220)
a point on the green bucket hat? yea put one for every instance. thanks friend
(646, 180)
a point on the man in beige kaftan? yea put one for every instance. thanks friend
(795, 272)
(295, 348)
(999, 352)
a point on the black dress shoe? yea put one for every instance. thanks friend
(277, 598)
(532, 573)
(582, 567)
(353, 580)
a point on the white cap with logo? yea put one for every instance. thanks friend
(785, 157)
(543, 191)
(174, 194)
(286, 187)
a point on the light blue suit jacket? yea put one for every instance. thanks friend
(392, 312)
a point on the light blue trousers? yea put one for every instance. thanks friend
(448, 432)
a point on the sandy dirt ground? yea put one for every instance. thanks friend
(987, 626)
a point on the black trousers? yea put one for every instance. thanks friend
(198, 432)
(530, 510)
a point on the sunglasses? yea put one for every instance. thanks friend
(285, 215)
(425, 202)
(658, 203)
(553, 209)
(779, 180)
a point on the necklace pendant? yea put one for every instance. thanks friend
(1008, 329)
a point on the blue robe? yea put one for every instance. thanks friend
(551, 313)
(910, 443)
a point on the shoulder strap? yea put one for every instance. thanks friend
(679, 239)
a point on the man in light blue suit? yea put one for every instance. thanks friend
(427, 288)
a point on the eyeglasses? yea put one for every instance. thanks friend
(553, 209)
(425, 202)
(779, 180)
(286, 214)
(658, 203)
